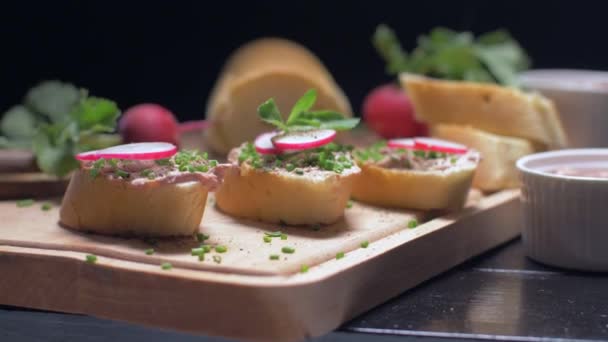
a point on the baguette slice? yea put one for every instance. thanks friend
(284, 197)
(489, 107)
(117, 207)
(413, 189)
(496, 169)
(262, 69)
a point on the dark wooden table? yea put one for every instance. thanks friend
(501, 295)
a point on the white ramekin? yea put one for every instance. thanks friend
(565, 217)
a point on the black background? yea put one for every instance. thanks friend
(171, 52)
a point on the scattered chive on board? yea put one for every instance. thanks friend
(283, 236)
(364, 244)
(197, 251)
(288, 250)
(267, 239)
(274, 257)
(221, 249)
(201, 257)
(274, 234)
(28, 202)
(149, 251)
(46, 206)
(304, 269)
(90, 258)
(340, 255)
(349, 204)
(166, 266)
(413, 223)
(200, 237)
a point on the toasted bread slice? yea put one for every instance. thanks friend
(489, 107)
(410, 189)
(265, 68)
(496, 169)
(284, 197)
(117, 207)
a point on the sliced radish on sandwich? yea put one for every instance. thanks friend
(136, 151)
(407, 143)
(438, 145)
(297, 141)
(263, 143)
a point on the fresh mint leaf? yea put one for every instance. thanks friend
(340, 125)
(269, 112)
(19, 123)
(323, 115)
(53, 99)
(305, 123)
(302, 105)
(95, 114)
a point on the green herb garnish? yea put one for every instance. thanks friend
(274, 257)
(197, 251)
(221, 249)
(206, 248)
(364, 244)
(166, 266)
(349, 204)
(267, 239)
(200, 237)
(28, 202)
(46, 206)
(302, 118)
(163, 162)
(288, 250)
(340, 255)
(201, 257)
(278, 233)
(283, 236)
(90, 258)
(443, 53)
(149, 251)
(413, 223)
(147, 173)
(304, 268)
(122, 174)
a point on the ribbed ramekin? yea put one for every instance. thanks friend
(565, 217)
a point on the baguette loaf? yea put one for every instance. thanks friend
(496, 169)
(265, 68)
(489, 107)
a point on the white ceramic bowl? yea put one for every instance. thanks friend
(581, 97)
(565, 217)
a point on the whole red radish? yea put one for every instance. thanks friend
(388, 111)
(149, 122)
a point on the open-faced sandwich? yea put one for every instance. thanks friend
(142, 189)
(295, 175)
(415, 173)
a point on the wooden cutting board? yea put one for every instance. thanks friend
(245, 295)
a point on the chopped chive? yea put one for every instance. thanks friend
(202, 168)
(205, 155)
(290, 167)
(213, 163)
(349, 204)
(267, 239)
(304, 269)
(162, 162)
(201, 257)
(453, 160)
(288, 250)
(278, 163)
(46, 206)
(166, 266)
(257, 164)
(217, 259)
(200, 237)
(28, 202)
(90, 258)
(147, 173)
(278, 233)
(413, 223)
(197, 251)
(206, 248)
(113, 162)
(339, 255)
(283, 236)
(94, 173)
(364, 244)
(149, 251)
(221, 249)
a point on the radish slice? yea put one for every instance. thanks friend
(406, 143)
(297, 141)
(438, 145)
(263, 143)
(137, 151)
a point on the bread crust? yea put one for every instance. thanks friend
(496, 170)
(262, 69)
(489, 107)
(425, 190)
(283, 197)
(117, 207)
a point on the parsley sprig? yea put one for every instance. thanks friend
(302, 117)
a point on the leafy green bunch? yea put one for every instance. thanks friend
(492, 57)
(57, 121)
(302, 117)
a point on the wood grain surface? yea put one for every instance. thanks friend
(43, 267)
